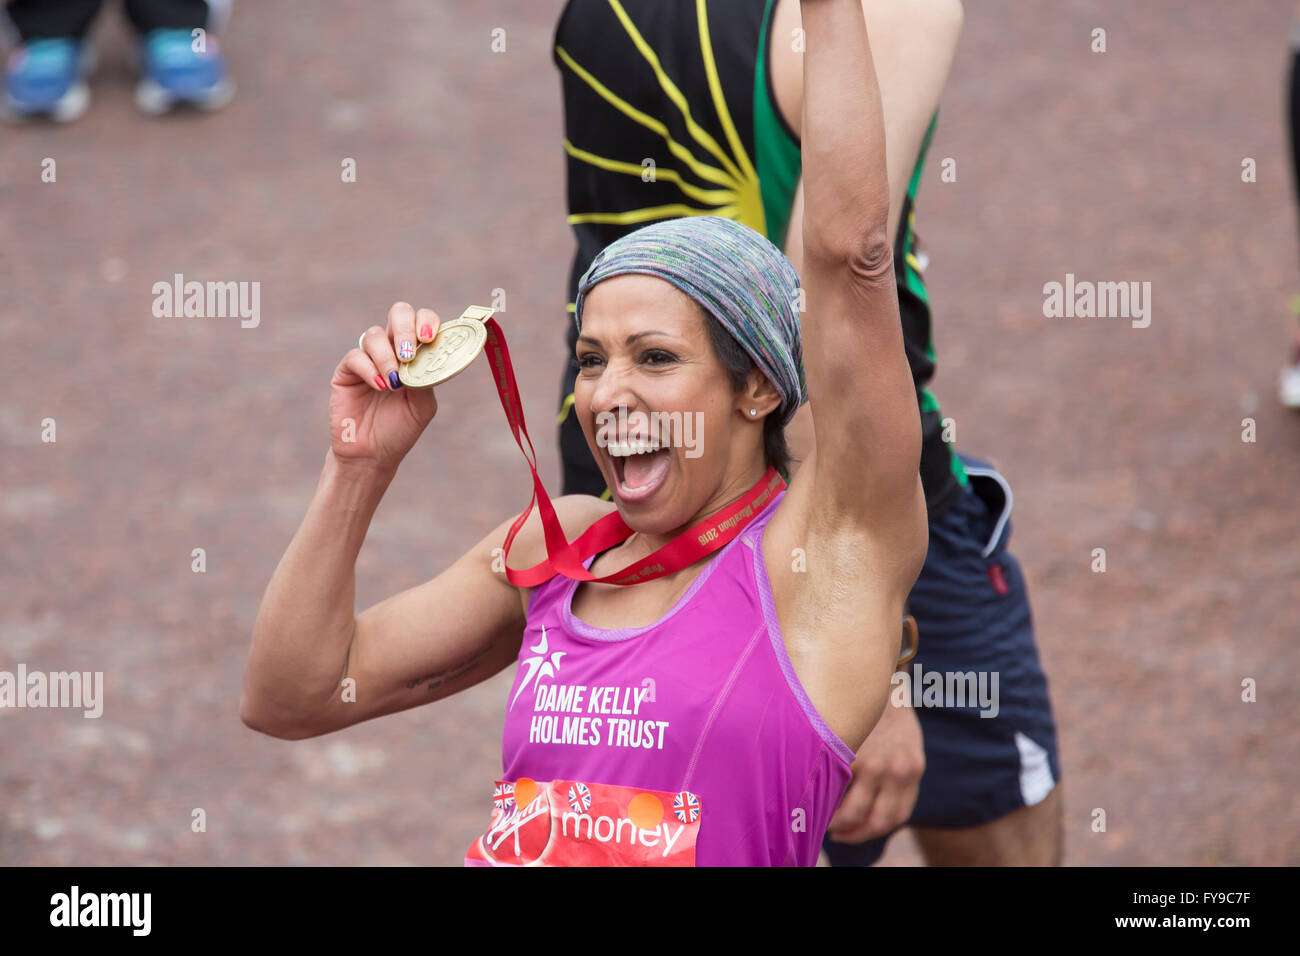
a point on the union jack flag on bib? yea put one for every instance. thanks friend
(579, 798)
(686, 807)
(503, 797)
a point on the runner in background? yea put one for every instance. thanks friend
(50, 59)
(667, 113)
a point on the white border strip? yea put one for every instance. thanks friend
(1006, 508)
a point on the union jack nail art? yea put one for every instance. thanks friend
(406, 351)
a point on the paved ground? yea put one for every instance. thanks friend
(176, 434)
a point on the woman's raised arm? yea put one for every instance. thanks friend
(860, 389)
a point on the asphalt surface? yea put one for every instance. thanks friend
(180, 433)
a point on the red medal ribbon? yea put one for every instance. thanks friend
(565, 557)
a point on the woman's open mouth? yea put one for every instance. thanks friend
(640, 467)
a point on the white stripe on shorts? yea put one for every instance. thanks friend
(1006, 507)
(1035, 771)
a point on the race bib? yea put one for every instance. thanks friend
(574, 823)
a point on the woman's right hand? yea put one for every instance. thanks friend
(371, 422)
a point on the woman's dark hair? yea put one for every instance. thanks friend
(738, 364)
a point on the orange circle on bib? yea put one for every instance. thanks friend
(645, 811)
(525, 791)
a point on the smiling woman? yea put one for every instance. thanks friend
(721, 299)
(678, 676)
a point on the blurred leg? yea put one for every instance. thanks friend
(180, 65)
(1293, 103)
(990, 795)
(1030, 836)
(45, 72)
(1289, 381)
(146, 15)
(51, 18)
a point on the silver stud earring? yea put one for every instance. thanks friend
(753, 411)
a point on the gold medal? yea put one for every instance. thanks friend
(457, 344)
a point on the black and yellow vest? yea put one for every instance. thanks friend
(669, 111)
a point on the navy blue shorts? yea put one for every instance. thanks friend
(972, 614)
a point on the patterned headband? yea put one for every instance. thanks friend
(737, 275)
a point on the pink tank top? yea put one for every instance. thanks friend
(701, 710)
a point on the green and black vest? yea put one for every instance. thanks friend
(669, 111)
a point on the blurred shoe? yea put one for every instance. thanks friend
(175, 73)
(47, 77)
(1288, 386)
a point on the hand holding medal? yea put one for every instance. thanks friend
(457, 344)
(369, 427)
(414, 353)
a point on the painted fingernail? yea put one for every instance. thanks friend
(380, 383)
(394, 380)
(406, 351)
(426, 331)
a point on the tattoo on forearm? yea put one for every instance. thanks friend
(451, 673)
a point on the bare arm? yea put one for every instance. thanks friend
(913, 47)
(420, 645)
(305, 624)
(868, 447)
(415, 647)
(856, 506)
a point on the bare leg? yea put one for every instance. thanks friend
(1030, 836)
